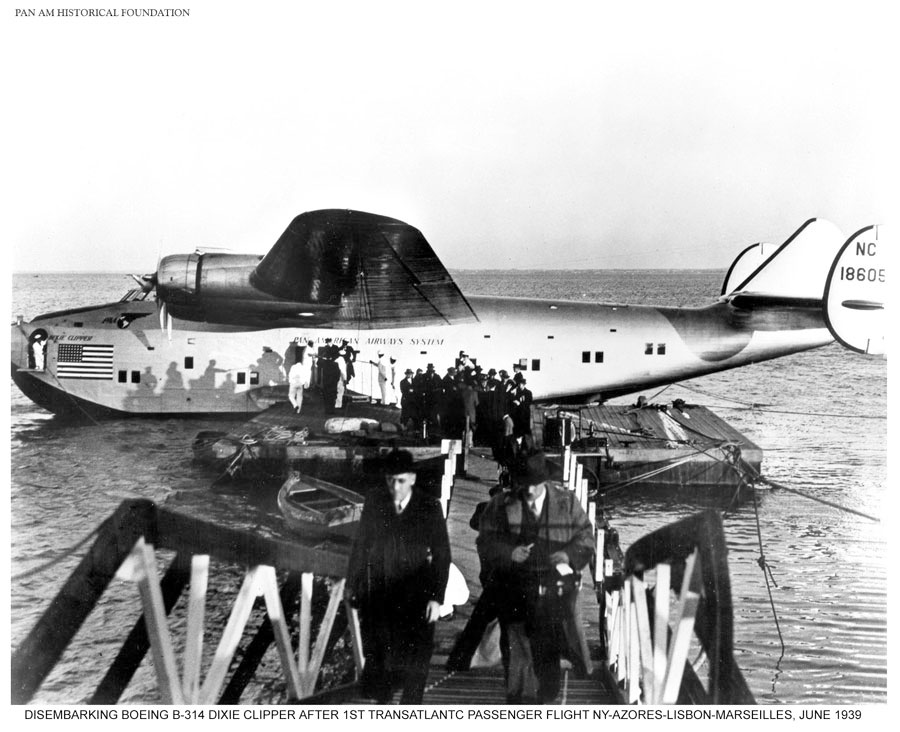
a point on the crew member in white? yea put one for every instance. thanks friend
(37, 349)
(382, 376)
(298, 379)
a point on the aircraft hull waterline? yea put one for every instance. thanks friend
(114, 359)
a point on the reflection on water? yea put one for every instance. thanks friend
(822, 430)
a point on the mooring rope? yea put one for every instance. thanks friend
(781, 486)
(767, 573)
(756, 406)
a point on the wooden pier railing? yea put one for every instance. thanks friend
(646, 630)
(675, 600)
(126, 547)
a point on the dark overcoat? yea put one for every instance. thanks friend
(401, 559)
(564, 527)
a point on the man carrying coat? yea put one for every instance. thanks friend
(397, 577)
(537, 539)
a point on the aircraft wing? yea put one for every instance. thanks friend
(361, 269)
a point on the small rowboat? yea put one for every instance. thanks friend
(317, 508)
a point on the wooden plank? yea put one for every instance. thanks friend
(256, 649)
(660, 628)
(51, 635)
(642, 620)
(157, 625)
(135, 647)
(356, 643)
(634, 655)
(305, 622)
(282, 635)
(318, 653)
(600, 564)
(193, 649)
(231, 636)
(684, 629)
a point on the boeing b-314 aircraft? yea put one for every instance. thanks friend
(218, 333)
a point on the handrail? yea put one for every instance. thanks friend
(131, 536)
(690, 554)
(117, 537)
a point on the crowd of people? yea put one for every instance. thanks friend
(490, 408)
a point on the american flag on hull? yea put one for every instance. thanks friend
(84, 361)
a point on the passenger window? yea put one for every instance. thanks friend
(241, 378)
(585, 357)
(598, 356)
(135, 377)
(123, 377)
(535, 364)
(254, 377)
(189, 362)
(648, 349)
(660, 349)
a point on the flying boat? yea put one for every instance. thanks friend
(212, 332)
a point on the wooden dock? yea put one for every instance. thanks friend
(680, 445)
(486, 685)
(128, 540)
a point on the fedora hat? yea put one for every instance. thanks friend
(398, 461)
(530, 469)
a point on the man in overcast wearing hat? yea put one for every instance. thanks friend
(537, 539)
(407, 398)
(397, 576)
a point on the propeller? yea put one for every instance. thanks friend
(148, 283)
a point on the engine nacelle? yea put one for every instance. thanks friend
(216, 288)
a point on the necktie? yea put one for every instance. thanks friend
(398, 508)
(533, 506)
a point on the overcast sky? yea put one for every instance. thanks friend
(512, 135)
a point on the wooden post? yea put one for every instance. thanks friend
(231, 636)
(356, 643)
(450, 448)
(193, 648)
(612, 609)
(639, 592)
(318, 653)
(269, 586)
(660, 628)
(600, 564)
(625, 635)
(634, 654)
(306, 588)
(681, 639)
(157, 625)
(466, 445)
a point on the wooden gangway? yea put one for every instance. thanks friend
(301, 586)
(486, 685)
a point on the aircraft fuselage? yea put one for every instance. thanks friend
(568, 351)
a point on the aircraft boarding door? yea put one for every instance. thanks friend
(31, 349)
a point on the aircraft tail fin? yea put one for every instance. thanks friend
(856, 292)
(816, 267)
(796, 270)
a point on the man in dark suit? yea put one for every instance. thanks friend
(537, 539)
(407, 399)
(397, 577)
